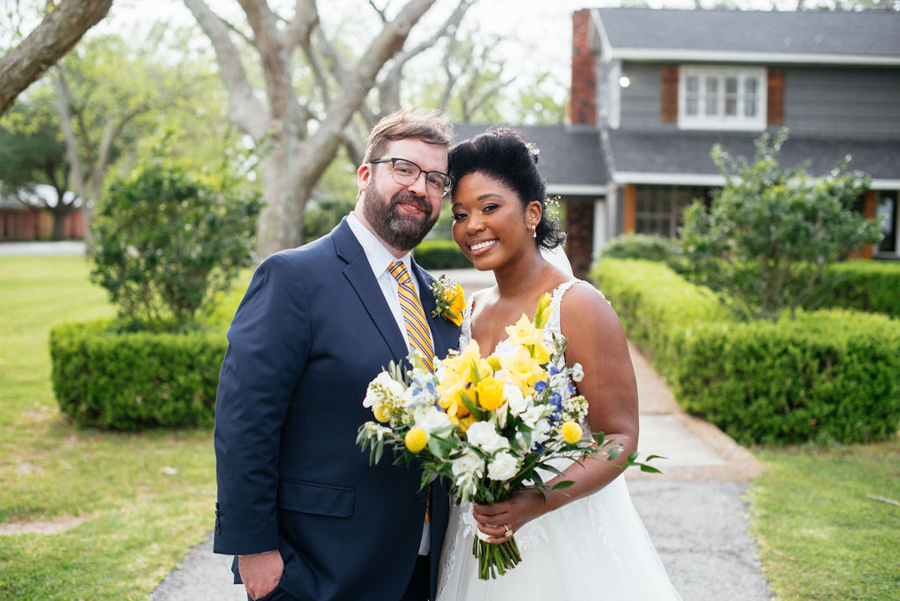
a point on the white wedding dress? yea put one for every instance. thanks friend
(592, 548)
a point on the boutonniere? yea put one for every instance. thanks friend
(450, 300)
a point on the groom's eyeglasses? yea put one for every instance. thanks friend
(406, 173)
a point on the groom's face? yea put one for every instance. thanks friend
(401, 215)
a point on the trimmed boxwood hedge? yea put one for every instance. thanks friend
(826, 376)
(440, 254)
(871, 286)
(135, 380)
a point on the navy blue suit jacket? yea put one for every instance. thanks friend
(312, 331)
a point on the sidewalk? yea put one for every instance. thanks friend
(694, 512)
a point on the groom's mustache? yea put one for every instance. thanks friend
(412, 199)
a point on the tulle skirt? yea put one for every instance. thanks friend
(592, 548)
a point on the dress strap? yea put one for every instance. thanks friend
(553, 322)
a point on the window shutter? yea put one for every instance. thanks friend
(669, 95)
(775, 97)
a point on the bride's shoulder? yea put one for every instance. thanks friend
(583, 305)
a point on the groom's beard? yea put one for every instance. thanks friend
(400, 231)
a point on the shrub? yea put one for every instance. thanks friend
(770, 232)
(870, 286)
(640, 246)
(823, 377)
(135, 380)
(826, 376)
(440, 254)
(165, 242)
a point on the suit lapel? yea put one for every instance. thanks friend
(359, 273)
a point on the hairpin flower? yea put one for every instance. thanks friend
(451, 302)
(533, 150)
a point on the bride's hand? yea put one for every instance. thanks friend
(501, 520)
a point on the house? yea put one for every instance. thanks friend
(656, 89)
(21, 222)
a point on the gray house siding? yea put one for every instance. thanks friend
(849, 102)
(640, 100)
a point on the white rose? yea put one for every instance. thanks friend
(503, 467)
(485, 436)
(541, 431)
(468, 465)
(431, 419)
(517, 402)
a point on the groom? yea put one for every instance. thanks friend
(298, 503)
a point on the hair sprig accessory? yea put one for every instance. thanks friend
(533, 150)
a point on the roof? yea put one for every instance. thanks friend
(570, 156)
(834, 37)
(683, 158)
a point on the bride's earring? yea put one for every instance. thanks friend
(534, 231)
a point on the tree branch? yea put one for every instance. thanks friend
(244, 109)
(60, 30)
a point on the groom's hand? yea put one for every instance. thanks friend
(261, 573)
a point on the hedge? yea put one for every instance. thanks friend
(649, 247)
(440, 254)
(871, 286)
(826, 376)
(135, 380)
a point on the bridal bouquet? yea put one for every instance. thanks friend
(487, 425)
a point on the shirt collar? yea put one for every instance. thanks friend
(376, 252)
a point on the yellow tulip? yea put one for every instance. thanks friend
(415, 440)
(490, 393)
(571, 432)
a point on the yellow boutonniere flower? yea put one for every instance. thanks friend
(450, 300)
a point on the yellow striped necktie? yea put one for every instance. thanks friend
(416, 324)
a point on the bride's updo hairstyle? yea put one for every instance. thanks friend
(502, 153)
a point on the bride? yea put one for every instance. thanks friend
(586, 542)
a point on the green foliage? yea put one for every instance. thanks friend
(825, 376)
(870, 286)
(166, 242)
(822, 377)
(135, 380)
(649, 247)
(440, 254)
(771, 232)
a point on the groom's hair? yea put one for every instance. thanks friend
(427, 125)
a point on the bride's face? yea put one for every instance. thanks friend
(491, 225)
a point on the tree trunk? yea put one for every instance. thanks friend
(61, 29)
(293, 162)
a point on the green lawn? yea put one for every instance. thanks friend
(828, 522)
(149, 497)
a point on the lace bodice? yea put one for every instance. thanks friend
(553, 322)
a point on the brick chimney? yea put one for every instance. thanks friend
(583, 98)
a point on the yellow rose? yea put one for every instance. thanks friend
(416, 439)
(456, 301)
(490, 393)
(571, 432)
(523, 370)
(524, 332)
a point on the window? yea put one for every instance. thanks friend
(659, 209)
(887, 215)
(722, 98)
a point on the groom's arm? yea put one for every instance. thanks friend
(267, 347)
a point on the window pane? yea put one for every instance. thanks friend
(887, 214)
(712, 96)
(692, 83)
(751, 96)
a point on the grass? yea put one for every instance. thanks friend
(821, 533)
(149, 497)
